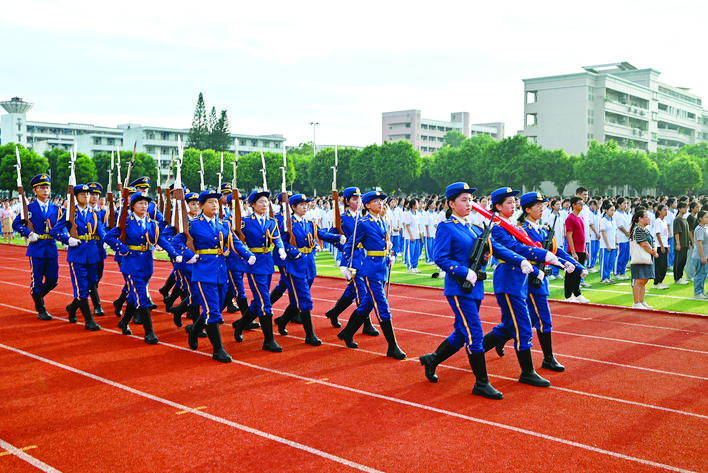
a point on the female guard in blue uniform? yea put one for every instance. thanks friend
(537, 300)
(511, 290)
(82, 254)
(42, 248)
(300, 267)
(96, 191)
(142, 234)
(262, 235)
(212, 241)
(356, 288)
(282, 285)
(454, 241)
(372, 233)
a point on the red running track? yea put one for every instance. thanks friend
(633, 397)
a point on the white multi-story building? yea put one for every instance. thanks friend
(426, 135)
(91, 139)
(611, 102)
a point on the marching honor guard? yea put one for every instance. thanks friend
(42, 252)
(82, 254)
(118, 303)
(141, 234)
(375, 269)
(96, 191)
(212, 240)
(262, 235)
(300, 270)
(511, 289)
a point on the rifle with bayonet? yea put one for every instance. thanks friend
(109, 196)
(160, 199)
(265, 185)
(180, 217)
(285, 202)
(24, 210)
(125, 195)
(335, 195)
(120, 181)
(168, 200)
(73, 232)
(202, 188)
(236, 203)
(218, 189)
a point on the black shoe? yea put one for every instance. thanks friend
(89, 323)
(42, 313)
(281, 326)
(500, 349)
(232, 308)
(393, 350)
(334, 313)
(71, 309)
(432, 360)
(252, 326)
(369, 328)
(310, 337)
(118, 307)
(347, 339)
(269, 343)
(124, 327)
(145, 317)
(193, 331)
(169, 302)
(528, 374)
(549, 361)
(347, 334)
(153, 306)
(288, 315)
(165, 291)
(482, 387)
(96, 301)
(218, 354)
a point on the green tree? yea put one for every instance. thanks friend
(219, 135)
(425, 182)
(559, 167)
(397, 166)
(53, 156)
(32, 164)
(84, 171)
(199, 132)
(453, 138)
(682, 174)
(596, 169)
(362, 167)
(471, 163)
(518, 163)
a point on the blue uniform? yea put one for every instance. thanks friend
(43, 254)
(356, 288)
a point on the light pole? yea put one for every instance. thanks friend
(314, 145)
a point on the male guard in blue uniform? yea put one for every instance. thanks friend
(94, 203)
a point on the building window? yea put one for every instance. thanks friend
(97, 141)
(531, 119)
(531, 96)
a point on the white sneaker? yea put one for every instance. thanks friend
(621, 277)
(682, 282)
(571, 299)
(606, 281)
(638, 305)
(661, 285)
(582, 299)
(700, 297)
(646, 306)
(411, 271)
(593, 270)
(585, 284)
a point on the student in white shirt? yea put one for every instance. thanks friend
(594, 248)
(623, 221)
(608, 242)
(660, 232)
(411, 235)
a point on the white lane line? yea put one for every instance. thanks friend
(345, 388)
(197, 412)
(40, 465)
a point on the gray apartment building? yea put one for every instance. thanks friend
(611, 102)
(427, 135)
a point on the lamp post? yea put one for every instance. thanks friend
(314, 145)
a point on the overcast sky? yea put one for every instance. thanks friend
(276, 66)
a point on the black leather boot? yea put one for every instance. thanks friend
(490, 341)
(347, 334)
(146, 319)
(482, 387)
(178, 311)
(42, 313)
(243, 308)
(89, 323)
(334, 313)
(369, 328)
(549, 361)
(125, 320)
(269, 343)
(71, 309)
(246, 318)
(432, 360)
(310, 337)
(277, 293)
(48, 287)
(193, 331)
(96, 301)
(172, 298)
(218, 354)
(169, 282)
(283, 320)
(393, 350)
(528, 374)
(118, 304)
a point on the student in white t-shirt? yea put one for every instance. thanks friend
(660, 232)
(624, 223)
(411, 236)
(608, 242)
(594, 246)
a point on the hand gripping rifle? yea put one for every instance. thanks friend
(73, 232)
(549, 244)
(477, 258)
(24, 211)
(180, 218)
(109, 196)
(265, 184)
(125, 196)
(285, 201)
(236, 204)
(335, 195)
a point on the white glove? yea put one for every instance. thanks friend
(193, 259)
(551, 258)
(541, 275)
(106, 246)
(342, 239)
(252, 259)
(33, 237)
(569, 267)
(392, 259)
(345, 272)
(74, 242)
(471, 277)
(178, 259)
(526, 267)
(282, 254)
(583, 273)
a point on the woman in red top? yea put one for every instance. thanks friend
(575, 233)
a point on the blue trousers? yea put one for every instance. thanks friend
(671, 251)
(356, 289)
(237, 286)
(186, 284)
(260, 288)
(397, 244)
(137, 291)
(414, 249)
(429, 255)
(609, 257)
(299, 292)
(468, 326)
(211, 298)
(622, 258)
(375, 298)
(594, 248)
(516, 322)
(44, 273)
(82, 277)
(539, 312)
(98, 272)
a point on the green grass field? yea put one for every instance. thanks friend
(676, 298)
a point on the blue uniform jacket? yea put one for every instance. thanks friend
(44, 226)
(280, 218)
(453, 244)
(508, 278)
(210, 267)
(261, 242)
(91, 233)
(348, 223)
(155, 214)
(138, 262)
(540, 236)
(371, 234)
(301, 258)
(103, 220)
